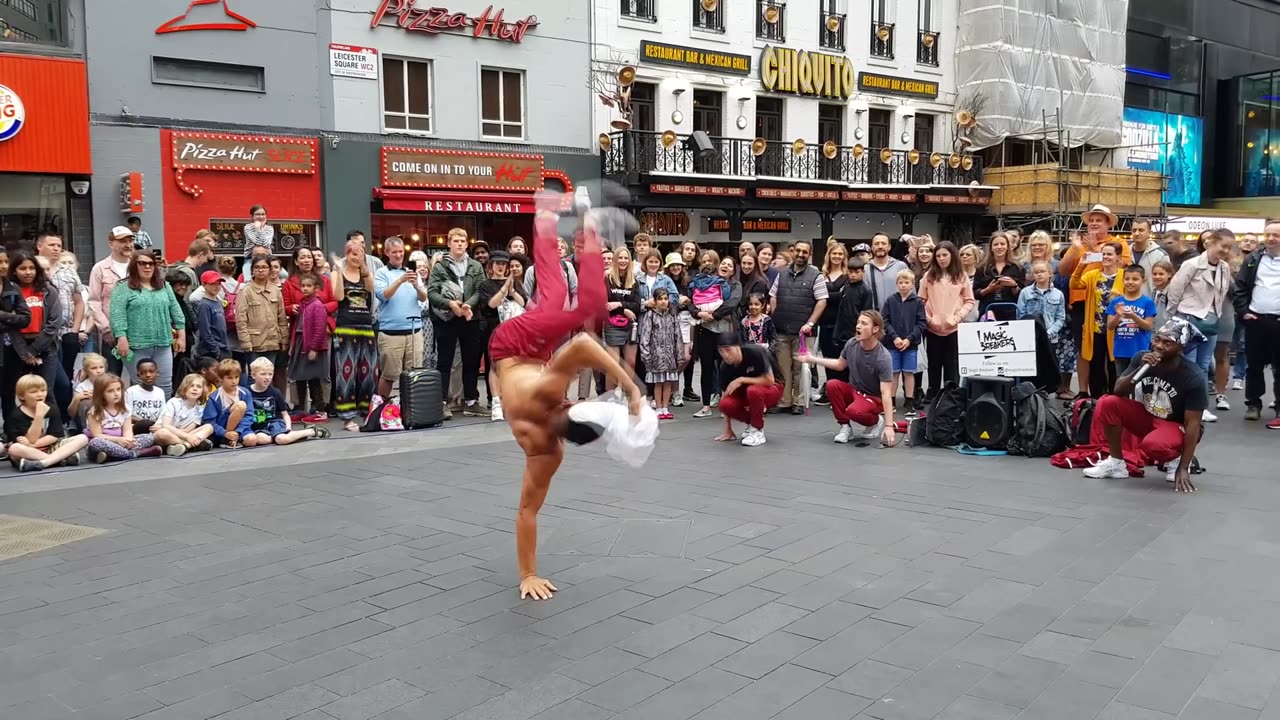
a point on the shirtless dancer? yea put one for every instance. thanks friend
(534, 379)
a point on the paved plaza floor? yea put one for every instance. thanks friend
(374, 578)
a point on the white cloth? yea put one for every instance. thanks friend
(181, 415)
(626, 440)
(144, 404)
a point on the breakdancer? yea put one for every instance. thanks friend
(535, 376)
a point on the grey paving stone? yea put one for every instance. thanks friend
(602, 665)
(653, 641)
(373, 701)
(525, 668)
(589, 613)
(670, 605)
(968, 707)
(582, 643)
(287, 704)
(1201, 708)
(767, 696)
(625, 690)
(526, 701)
(882, 591)
(905, 611)
(1088, 619)
(989, 600)
(1018, 681)
(1121, 711)
(120, 708)
(265, 685)
(760, 622)
(688, 697)
(574, 709)
(1101, 669)
(926, 693)
(784, 581)
(1243, 675)
(828, 620)
(984, 650)
(447, 701)
(1070, 698)
(337, 637)
(850, 646)
(734, 603)
(824, 704)
(870, 679)
(1055, 647)
(198, 683)
(921, 645)
(1167, 681)
(737, 576)
(201, 707)
(1201, 634)
(685, 660)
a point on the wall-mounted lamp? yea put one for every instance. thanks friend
(742, 118)
(677, 117)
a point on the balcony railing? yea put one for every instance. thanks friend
(641, 9)
(771, 20)
(927, 48)
(633, 153)
(882, 40)
(708, 20)
(831, 31)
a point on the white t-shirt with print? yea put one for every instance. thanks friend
(144, 404)
(181, 415)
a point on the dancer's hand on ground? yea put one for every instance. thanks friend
(536, 588)
(635, 402)
(889, 437)
(1182, 481)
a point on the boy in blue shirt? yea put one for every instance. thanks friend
(1130, 319)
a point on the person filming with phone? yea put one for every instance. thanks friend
(1086, 249)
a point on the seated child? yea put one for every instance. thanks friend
(182, 427)
(144, 400)
(110, 427)
(270, 422)
(92, 366)
(39, 439)
(227, 407)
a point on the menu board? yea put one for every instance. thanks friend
(289, 236)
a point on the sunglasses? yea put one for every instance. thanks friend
(145, 263)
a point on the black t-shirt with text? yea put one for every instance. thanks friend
(756, 362)
(20, 424)
(1168, 393)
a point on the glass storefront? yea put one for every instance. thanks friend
(29, 205)
(429, 231)
(1258, 136)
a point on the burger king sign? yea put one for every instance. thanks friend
(12, 114)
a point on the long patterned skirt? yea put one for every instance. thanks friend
(355, 361)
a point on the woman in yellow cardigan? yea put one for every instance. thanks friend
(1100, 285)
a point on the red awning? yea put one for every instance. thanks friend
(454, 202)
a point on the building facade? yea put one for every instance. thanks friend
(453, 117)
(45, 163)
(822, 117)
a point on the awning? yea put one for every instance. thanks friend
(454, 202)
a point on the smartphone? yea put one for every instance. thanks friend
(1093, 257)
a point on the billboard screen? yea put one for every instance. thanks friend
(1169, 144)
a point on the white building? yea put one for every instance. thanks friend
(866, 75)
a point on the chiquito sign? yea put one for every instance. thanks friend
(435, 20)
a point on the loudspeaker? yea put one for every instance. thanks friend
(988, 420)
(699, 143)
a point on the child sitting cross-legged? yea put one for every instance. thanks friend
(110, 427)
(226, 410)
(39, 439)
(270, 422)
(92, 366)
(182, 427)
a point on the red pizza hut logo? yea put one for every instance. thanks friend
(509, 172)
(435, 20)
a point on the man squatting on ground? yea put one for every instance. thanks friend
(534, 379)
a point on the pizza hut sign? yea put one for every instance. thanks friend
(239, 153)
(460, 170)
(435, 20)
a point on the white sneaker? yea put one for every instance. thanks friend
(1109, 469)
(1222, 403)
(842, 435)
(715, 400)
(1170, 471)
(753, 437)
(676, 400)
(1209, 417)
(815, 395)
(653, 404)
(873, 433)
(495, 412)
(1237, 383)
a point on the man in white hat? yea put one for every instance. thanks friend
(1087, 248)
(102, 280)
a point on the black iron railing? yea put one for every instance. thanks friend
(831, 31)
(708, 20)
(771, 20)
(633, 153)
(641, 9)
(927, 48)
(882, 40)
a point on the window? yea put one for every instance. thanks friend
(878, 123)
(707, 115)
(832, 18)
(831, 123)
(640, 10)
(26, 7)
(771, 20)
(769, 118)
(501, 103)
(711, 20)
(882, 29)
(643, 107)
(207, 74)
(924, 133)
(406, 95)
(33, 21)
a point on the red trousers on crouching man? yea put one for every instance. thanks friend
(850, 405)
(749, 404)
(1159, 441)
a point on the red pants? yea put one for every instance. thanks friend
(849, 405)
(537, 333)
(1160, 440)
(748, 404)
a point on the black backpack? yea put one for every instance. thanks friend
(1082, 420)
(944, 424)
(1039, 430)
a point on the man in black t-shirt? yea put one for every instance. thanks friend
(749, 378)
(1171, 397)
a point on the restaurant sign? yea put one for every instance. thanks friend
(890, 85)
(460, 169)
(239, 153)
(694, 58)
(751, 225)
(665, 223)
(806, 73)
(489, 24)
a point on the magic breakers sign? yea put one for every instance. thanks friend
(806, 73)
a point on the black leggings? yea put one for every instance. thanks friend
(944, 354)
(1102, 372)
(706, 345)
(301, 388)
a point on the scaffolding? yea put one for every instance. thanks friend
(1061, 182)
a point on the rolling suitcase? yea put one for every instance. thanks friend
(421, 394)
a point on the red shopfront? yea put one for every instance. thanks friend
(425, 192)
(212, 179)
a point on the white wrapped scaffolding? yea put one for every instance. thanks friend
(1018, 59)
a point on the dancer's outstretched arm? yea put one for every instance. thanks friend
(584, 352)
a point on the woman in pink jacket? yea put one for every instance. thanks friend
(948, 298)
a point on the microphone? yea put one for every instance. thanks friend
(1141, 371)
